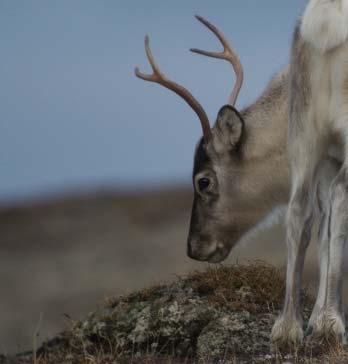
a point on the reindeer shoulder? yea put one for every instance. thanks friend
(325, 24)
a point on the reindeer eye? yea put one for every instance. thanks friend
(203, 184)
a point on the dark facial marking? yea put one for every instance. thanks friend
(202, 160)
(198, 220)
(194, 223)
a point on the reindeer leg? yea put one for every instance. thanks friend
(287, 329)
(330, 322)
(326, 174)
(315, 323)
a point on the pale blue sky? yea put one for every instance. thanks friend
(72, 113)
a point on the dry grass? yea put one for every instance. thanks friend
(250, 287)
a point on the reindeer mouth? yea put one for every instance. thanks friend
(218, 255)
(210, 252)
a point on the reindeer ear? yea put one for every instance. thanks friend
(228, 130)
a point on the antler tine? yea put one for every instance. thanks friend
(158, 77)
(227, 54)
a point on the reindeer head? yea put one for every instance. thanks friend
(219, 206)
(225, 194)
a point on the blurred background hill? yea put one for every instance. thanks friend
(62, 257)
(95, 193)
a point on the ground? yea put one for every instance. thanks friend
(221, 315)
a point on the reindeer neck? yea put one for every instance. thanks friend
(266, 121)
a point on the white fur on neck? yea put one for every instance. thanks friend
(271, 219)
(325, 23)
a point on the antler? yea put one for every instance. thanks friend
(158, 77)
(227, 54)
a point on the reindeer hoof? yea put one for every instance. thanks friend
(327, 324)
(287, 332)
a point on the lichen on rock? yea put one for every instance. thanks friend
(223, 314)
(167, 321)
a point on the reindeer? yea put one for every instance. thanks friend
(241, 173)
(318, 117)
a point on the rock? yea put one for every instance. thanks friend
(221, 315)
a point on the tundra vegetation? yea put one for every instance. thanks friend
(223, 314)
